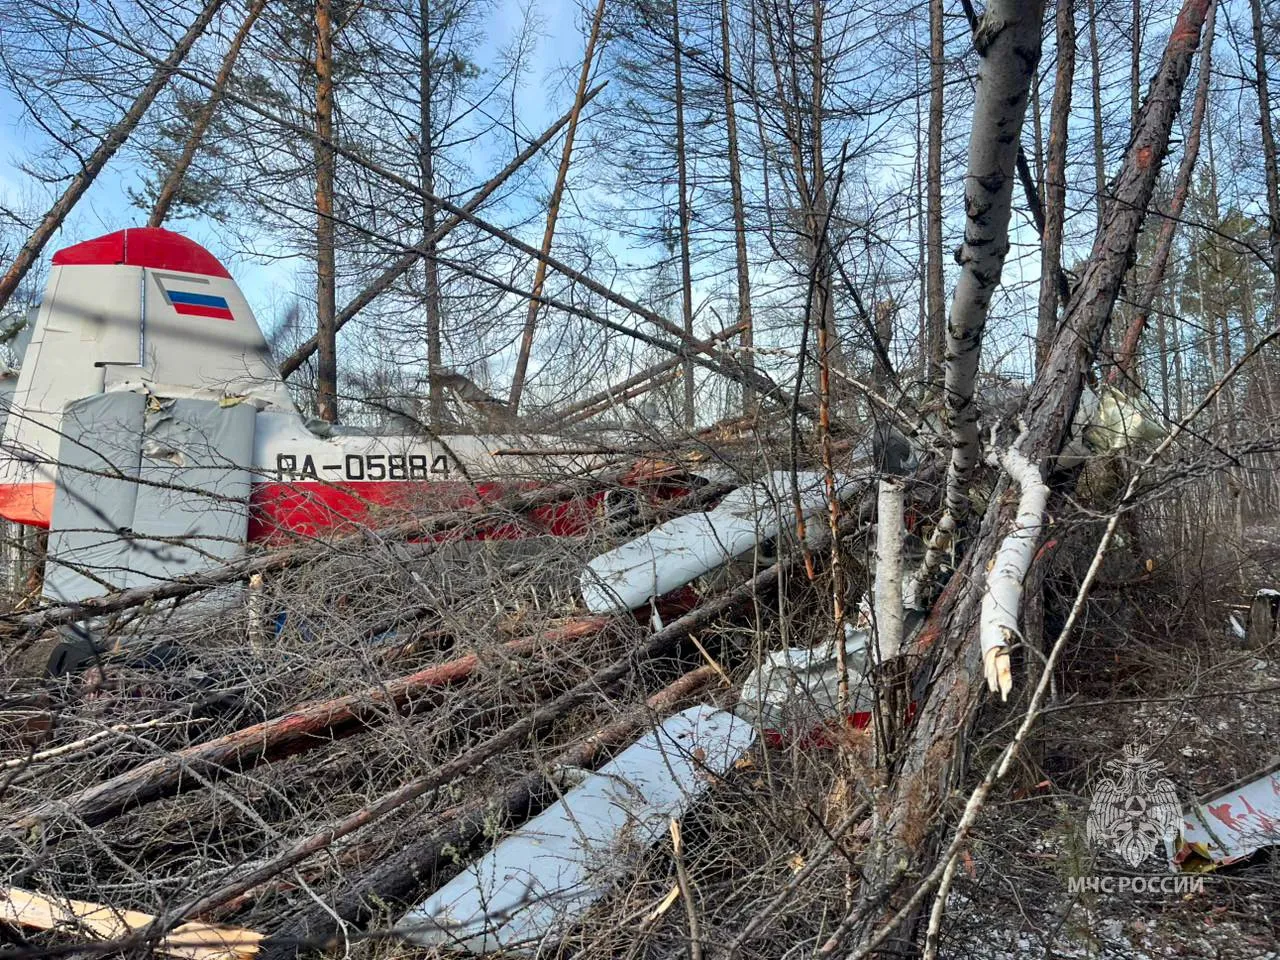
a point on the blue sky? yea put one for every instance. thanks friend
(265, 282)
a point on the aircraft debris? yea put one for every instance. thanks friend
(1230, 825)
(545, 876)
(679, 551)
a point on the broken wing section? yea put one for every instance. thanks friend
(681, 550)
(541, 880)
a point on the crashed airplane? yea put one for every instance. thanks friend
(150, 432)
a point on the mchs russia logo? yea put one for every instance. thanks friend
(1134, 810)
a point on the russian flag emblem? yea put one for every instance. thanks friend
(198, 304)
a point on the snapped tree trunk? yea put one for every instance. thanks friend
(1008, 45)
(115, 139)
(932, 760)
(326, 327)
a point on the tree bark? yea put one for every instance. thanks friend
(682, 203)
(1055, 188)
(741, 268)
(553, 213)
(430, 266)
(326, 307)
(1126, 356)
(115, 139)
(933, 760)
(937, 310)
(172, 183)
(1008, 45)
(1095, 87)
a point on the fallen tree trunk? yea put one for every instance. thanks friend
(410, 874)
(168, 192)
(535, 723)
(300, 730)
(191, 941)
(933, 761)
(648, 378)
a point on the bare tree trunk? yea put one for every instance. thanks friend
(427, 176)
(937, 310)
(739, 211)
(553, 213)
(933, 760)
(1135, 65)
(1095, 85)
(1037, 136)
(824, 314)
(173, 182)
(402, 266)
(1008, 45)
(1268, 154)
(1126, 356)
(326, 328)
(1055, 188)
(682, 174)
(31, 250)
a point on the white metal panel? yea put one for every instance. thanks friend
(539, 882)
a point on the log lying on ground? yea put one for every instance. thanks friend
(405, 877)
(191, 941)
(533, 724)
(308, 726)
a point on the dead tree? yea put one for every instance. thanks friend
(933, 758)
(1268, 152)
(742, 270)
(326, 162)
(936, 310)
(1055, 188)
(553, 213)
(115, 139)
(426, 247)
(682, 207)
(426, 171)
